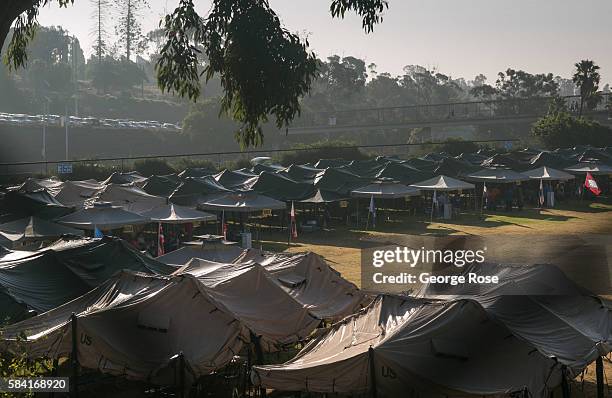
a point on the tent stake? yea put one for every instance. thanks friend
(74, 359)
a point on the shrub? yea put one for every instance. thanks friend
(560, 129)
(149, 167)
(310, 153)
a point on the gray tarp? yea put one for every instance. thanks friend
(418, 349)
(76, 193)
(50, 277)
(103, 217)
(183, 255)
(548, 173)
(129, 197)
(539, 304)
(37, 228)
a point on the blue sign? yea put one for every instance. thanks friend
(64, 168)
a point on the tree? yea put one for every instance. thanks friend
(115, 74)
(99, 17)
(587, 79)
(560, 129)
(263, 68)
(128, 28)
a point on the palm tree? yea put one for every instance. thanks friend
(587, 78)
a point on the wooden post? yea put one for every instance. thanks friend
(74, 357)
(599, 373)
(372, 372)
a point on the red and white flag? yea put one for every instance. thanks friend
(294, 233)
(160, 241)
(591, 184)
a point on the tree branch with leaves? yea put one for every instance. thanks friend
(264, 69)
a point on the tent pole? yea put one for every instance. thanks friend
(259, 357)
(181, 383)
(74, 359)
(564, 386)
(432, 205)
(372, 372)
(599, 372)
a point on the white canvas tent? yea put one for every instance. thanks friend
(244, 202)
(442, 183)
(175, 214)
(503, 176)
(548, 173)
(102, 216)
(311, 281)
(385, 190)
(402, 346)
(251, 295)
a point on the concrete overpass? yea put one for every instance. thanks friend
(440, 115)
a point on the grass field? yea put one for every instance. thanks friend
(341, 246)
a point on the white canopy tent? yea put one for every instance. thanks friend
(502, 176)
(442, 183)
(244, 202)
(175, 214)
(593, 168)
(548, 173)
(385, 190)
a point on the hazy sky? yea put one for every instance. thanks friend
(459, 37)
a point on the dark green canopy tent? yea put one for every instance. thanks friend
(66, 270)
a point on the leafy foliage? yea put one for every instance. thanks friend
(264, 69)
(518, 84)
(149, 167)
(16, 364)
(325, 149)
(128, 27)
(587, 79)
(560, 129)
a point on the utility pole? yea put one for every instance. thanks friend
(66, 123)
(44, 132)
